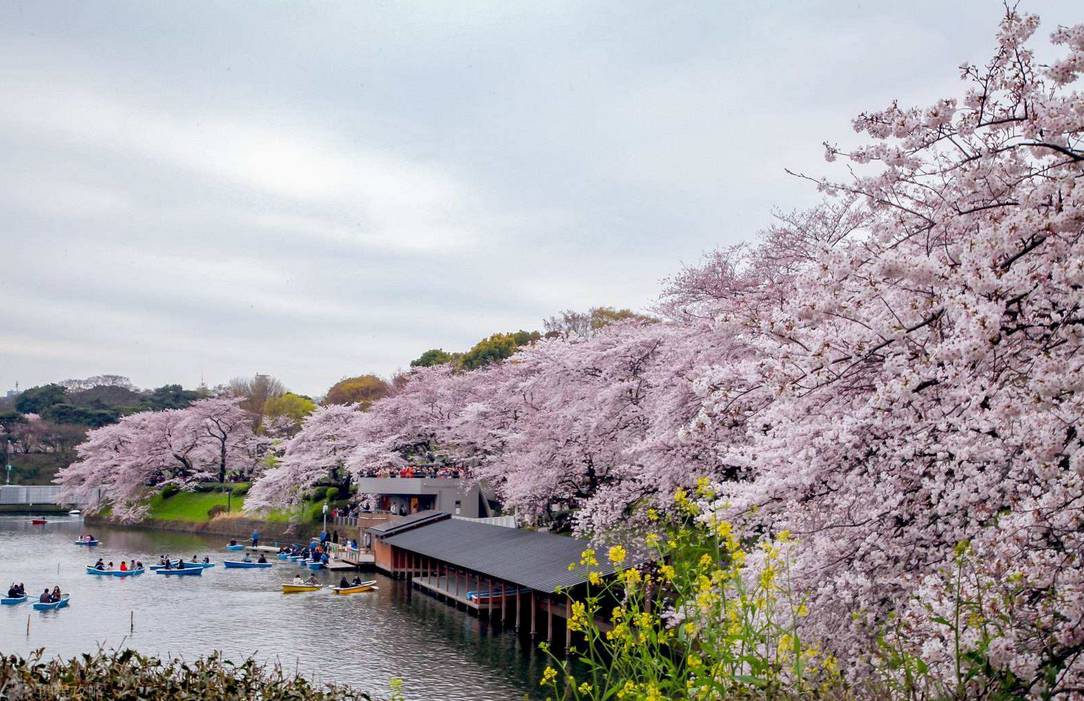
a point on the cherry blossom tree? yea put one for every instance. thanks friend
(229, 429)
(317, 452)
(122, 464)
(917, 388)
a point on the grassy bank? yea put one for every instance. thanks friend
(193, 507)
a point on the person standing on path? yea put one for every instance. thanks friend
(255, 538)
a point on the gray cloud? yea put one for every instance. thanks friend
(321, 189)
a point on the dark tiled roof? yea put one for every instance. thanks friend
(405, 523)
(528, 558)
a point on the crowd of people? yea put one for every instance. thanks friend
(125, 566)
(426, 471)
(167, 563)
(313, 552)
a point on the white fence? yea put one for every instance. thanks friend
(505, 521)
(29, 494)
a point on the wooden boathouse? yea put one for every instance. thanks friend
(514, 576)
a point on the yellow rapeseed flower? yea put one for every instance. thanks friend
(584, 688)
(668, 572)
(617, 554)
(548, 675)
(652, 515)
(578, 621)
(594, 578)
(588, 558)
(652, 540)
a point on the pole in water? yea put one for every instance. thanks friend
(28, 625)
(131, 622)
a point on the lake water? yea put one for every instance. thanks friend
(362, 640)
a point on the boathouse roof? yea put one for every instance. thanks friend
(530, 559)
(401, 524)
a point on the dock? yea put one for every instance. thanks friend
(441, 587)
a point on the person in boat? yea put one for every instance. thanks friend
(139, 564)
(246, 558)
(46, 597)
(312, 581)
(99, 565)
(206, 560)
(180, 565)
(261, 559)
(324, 559)
(56, 593)
(356, 582)
(22, 589)
(298, 580)
(110, 565)
(13, 591)
(123, 566)
(233, 541)
(343, 583)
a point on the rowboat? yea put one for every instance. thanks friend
(174, 565)
(87, 542)
(42, 606)
(113, 573)
(235, 547)
(316, 566)
(38, 521)
(494, 595)
(74, 512)
(356, 589)
(13, 600)
(187, 571)
(238, 564)
(296, 588)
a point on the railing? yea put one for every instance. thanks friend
(11, 494)
(504, 521)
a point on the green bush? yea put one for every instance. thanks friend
(170, 490)
(331, 494)
(128, 674)
(216, 510)
(240, 489)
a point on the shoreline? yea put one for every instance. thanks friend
(237, 528)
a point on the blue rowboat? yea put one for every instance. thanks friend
(87, 542)
(295, 558)
(113, 573)
(237, 564)
(40, 606)
(235, 547)
(283, 556)
(187, 571)
(315, 566)
(13, 600)
(174, 565)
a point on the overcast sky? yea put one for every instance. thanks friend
(317, 190)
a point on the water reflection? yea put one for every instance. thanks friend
(363, 640)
